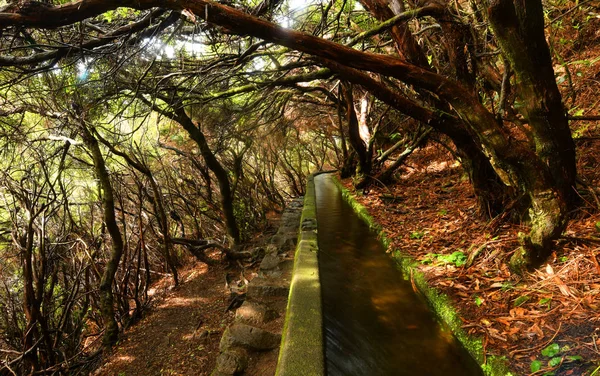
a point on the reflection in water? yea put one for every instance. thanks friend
(374, 324)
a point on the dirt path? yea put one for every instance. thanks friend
(181, 335)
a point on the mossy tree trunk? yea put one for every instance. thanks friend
(519, 28)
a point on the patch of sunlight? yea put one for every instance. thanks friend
(182, 302)
(440, 166)
(124, 359)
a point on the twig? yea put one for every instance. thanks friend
(567, 12)
(538, 346)
(589, 118)
(580, 239)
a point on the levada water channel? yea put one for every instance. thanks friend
(374, 324)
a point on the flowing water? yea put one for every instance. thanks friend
(374, 324)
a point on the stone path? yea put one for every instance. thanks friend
(250, 346)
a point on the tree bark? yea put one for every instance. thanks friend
(519, 28)
(357, 143)
(111, 328)
(215, 166)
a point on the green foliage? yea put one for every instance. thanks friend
(551, 350)
(478, 301)
(457, 258)
(535, 366)
(545, 302)
(417, 235)
(557, 357)
(521, 300)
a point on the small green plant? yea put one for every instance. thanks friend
(443, 212)
(555, 353)
(551, 350)
(417, 235)
(597, 225)
(545, 302)
(535, 366)
(458, 258)
(478, 301)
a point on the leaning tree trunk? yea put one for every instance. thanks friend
(111, 330)
(519, 27)
(215, 166)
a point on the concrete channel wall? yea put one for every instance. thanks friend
(301, 352)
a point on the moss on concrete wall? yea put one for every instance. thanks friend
(301, 351)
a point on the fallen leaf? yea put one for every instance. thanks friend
(564, 289)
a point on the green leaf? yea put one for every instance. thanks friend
(535, 366)
(551, 350)
(545, 301)
(574, 358)
(555, 361)
(521, 300)
(478, 301)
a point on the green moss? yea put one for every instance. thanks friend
(439, 303)
(302, 336)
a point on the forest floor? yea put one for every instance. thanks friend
(181, 334)
(550, 315)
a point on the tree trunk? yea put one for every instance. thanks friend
(519, 28)
(491, 193)
(111, 328)
(357, 143)
(164, 226)
(215, 166)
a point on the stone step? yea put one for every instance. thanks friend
(232, 361)
(255, 313)
(261, 287)
(250, 337)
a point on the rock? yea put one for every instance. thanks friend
(255, 313)
(231, 362)
(270, 261)
(285, 241)
(249, 337)
(258, 253)
(265, 287)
